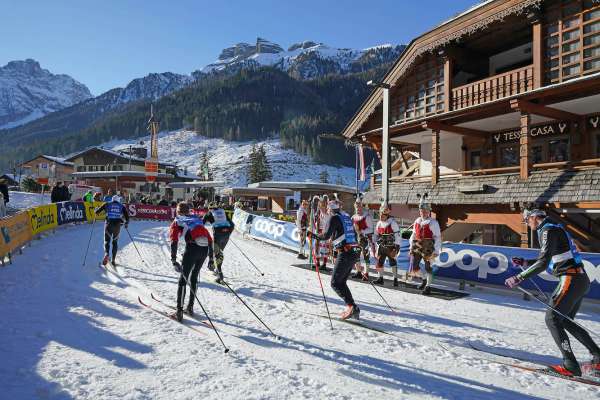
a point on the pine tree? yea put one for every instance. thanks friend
(258, 169)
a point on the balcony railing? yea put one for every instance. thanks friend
(493, 88)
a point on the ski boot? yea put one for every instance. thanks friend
(423, 285)
(301, 256)
(323, 268)
(567, 368)
(189, 310)
(357, 275)
(178, 315)
(395, 282)
(105, 260)
(114, 261)
(378, 281)
(176, 266)
(351, 312)
(220, 278)
(426, 291)
(591, 368)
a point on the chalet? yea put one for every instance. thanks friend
(48, 169)
(506, 97)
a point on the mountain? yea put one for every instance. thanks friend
(28, 92)
(304, 60)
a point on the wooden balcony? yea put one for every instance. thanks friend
(493, 88)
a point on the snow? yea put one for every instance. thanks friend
(25, 200)
(75, 332)
(228, 160)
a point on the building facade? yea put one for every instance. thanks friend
(54, 169)
(502, 103)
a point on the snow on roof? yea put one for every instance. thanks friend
(303, 185)
(57, 159)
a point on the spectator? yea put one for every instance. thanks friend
(4, 190)
(163, 202)
(56, 195)
(2, 206)
(109, 196)
(64, 191)
(98, 196)
(88, 197)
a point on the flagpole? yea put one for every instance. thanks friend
(356, 166)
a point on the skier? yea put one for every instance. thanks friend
(425, 243)
(115, 213)
(302, 225)
(108, 196)
(222, 227)
(198, 244)
(363, 224)
(559, 257)
(343, 238)
(322, 247)
(388, 239)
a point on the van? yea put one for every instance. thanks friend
(78, 191)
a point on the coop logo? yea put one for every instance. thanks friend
(593, 271)
(269, 228)
(492, 262)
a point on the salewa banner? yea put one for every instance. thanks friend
(71, 211)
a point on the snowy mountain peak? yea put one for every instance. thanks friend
(27, 92)
(303, 60)
(153, 86)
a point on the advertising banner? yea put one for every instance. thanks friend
(240, 219)
(281, 232)
(14, 232)
(90, 214)
(43, 218)
(71, 211)
(145, 211)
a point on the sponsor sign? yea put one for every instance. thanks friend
(274, 230)
(144, 211)
(151, 167)
(14, 232)
(535, 131)
(240, 220)
(90, 211)
(43, 218)
(71, 211)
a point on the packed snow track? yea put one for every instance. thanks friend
(73, 332)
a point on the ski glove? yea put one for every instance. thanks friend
(211, 264)
(513, 281)
(518, 261)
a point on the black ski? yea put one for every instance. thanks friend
(165, 314)
(156, 299)
(353, 322)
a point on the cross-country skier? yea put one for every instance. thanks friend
(388, 238)
(363, 224)
(222, 227)
(198, 244)
(302, 225)
(116, 215)
(322, 247)
(559, 257)
(343, 239)
(425, 243)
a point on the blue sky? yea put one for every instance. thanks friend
(107, 43)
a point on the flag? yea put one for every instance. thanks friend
(361, 162)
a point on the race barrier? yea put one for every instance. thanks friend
(483, 264)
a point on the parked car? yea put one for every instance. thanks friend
(78, 191)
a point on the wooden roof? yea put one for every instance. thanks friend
(475, 19)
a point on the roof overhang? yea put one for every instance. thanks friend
(256, 192)
(196, 184)
(300, 186)
(115, 174)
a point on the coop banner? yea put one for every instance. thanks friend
(90, 211)
(281, 232)
(145, 211)
(43, 218)
(71, 211)
(492, 265)
(14, 232)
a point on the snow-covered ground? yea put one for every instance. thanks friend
(229, 160)
(24, 200)
(72, 331)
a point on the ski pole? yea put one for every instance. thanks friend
(134, 245)
(89, 241)
(382, 298)
(205, 313)
(536, 285)
(558, 312)
(311, 258)
(248, 307)
(244, 254)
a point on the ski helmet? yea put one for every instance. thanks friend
(183, 208)
(117, 199)
(535, 212)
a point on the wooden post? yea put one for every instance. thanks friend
(537, 54)
(524, 146)
(448, 64)
(435, 156)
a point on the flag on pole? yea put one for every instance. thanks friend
(361, 159)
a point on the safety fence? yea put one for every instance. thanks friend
(21, 228)
(481, 264)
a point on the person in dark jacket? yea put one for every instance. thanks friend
(222, 226)
(65, 195)
(559, 256)
(56, 193)
(116, 215)
(343, 239)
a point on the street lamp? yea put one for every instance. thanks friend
(385, 139)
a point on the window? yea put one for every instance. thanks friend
(80, 169)
(509, 155)
(537, 154)
(558, 150)
(475, 160)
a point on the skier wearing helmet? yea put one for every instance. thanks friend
(116, 214)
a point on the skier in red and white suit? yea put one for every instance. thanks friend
(425, 243)
(363, 225)
(323, 249)
(388, 238)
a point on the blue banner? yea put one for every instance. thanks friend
(71, 211)
(477, 263)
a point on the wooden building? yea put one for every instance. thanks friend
(48, 167)
(505, 97)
